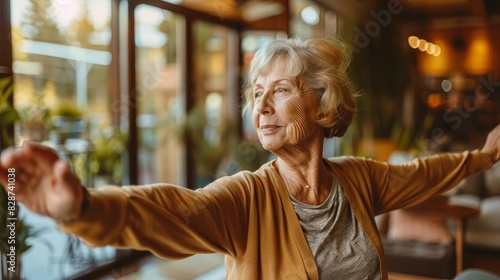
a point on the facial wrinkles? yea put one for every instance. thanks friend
(300, 126)
(295, 110)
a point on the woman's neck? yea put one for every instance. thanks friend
(307, 177)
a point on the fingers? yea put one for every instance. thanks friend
(31, 164)
(10, 156)
(23, 163)
(62, 171)
(65, 177)
(13, 157)
(28, 157)
(39, 151)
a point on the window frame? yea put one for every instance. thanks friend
(190, 16)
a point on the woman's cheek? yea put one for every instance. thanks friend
(300, 126)
(255, 118)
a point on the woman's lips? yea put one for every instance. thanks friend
(269, 129)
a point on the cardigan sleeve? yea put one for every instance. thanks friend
(405, 185)
(170, 221)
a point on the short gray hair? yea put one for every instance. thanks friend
(322, 65)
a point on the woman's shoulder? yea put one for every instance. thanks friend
(355, 165)
(247, 181)
(350, 160)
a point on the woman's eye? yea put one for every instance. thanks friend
(281, 90)
(257, 94)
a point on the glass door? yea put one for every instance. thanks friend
(159, 94)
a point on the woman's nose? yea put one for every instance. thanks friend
(265, 105)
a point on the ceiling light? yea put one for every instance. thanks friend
(310, 15)
(413, 41)
(437, 51)
(422, 44)
(431, 48)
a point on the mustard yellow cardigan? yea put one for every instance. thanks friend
(249, 216)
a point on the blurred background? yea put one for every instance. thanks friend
(160, 81)
(143, 91)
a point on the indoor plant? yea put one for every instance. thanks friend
(22, 231)
(67, 121)
(208, 142)
(35, 122)
(106, 162)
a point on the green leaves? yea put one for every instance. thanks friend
(8, 115)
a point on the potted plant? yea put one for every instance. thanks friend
(106, 161)
(10, 267)
(35, 121)
(67, 121)
(12, 248)
(8, 115)
(208, 142)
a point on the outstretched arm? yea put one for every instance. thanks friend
(411, 183)
(171, 221)
(44, 182)
(492, 144)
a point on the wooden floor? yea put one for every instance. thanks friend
(211, 267)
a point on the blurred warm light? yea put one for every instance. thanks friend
(437, 51)
(458, 80)
(446, 85)
(413, 41)
(431, 48)
(435, 100)
(438, 64)
(479, 55)
(422, 44)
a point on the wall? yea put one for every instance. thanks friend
(470, 50)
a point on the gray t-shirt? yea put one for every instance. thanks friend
(340, 247)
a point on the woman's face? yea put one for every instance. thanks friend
(284, 112)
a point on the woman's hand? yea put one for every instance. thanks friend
(43, 182)
(492, 145)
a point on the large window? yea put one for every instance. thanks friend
(61, 59)
(211, 124)
(156, 84)
(160, 94)
(61, 63)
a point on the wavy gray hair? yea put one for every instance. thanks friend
(319, 63)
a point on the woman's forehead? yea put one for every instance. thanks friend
(277, 67)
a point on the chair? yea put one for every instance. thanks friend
(418, 241)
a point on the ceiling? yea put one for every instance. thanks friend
(246, 10)
(413, 10)
(423, 9)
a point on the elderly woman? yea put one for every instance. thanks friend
(300, 216)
